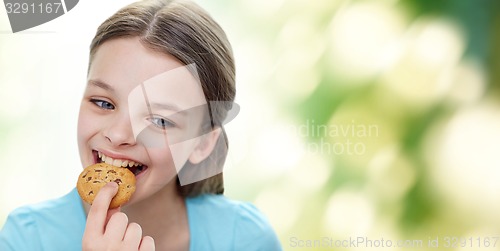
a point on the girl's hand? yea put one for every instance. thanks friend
(109, 229)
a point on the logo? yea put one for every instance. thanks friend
(173, 129)
(26, 14)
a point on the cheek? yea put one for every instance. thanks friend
(85, 126)
(160, 156)
(171, 158)
(179, 153)
(161, 160)
(84, 129)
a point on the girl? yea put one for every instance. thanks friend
(161, 81)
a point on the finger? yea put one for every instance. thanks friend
(96, 219)
(116, 227)
(133, 236)
(147, 244)
(110, 213)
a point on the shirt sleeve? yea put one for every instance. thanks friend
(253, 232)
(19, 232)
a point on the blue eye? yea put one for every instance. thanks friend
(103, 104)
(161, 122)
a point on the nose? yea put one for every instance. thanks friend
(119, 132)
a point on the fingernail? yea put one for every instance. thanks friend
(112, 184)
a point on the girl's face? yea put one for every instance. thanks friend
(133, 114)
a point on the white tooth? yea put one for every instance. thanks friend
(99, 154)
(109, 161)
(131, 164)
(124, 163)
(136, 164)
(103, 158)
(117, 162)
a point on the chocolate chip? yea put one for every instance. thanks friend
(89, 178)
(91, 192)
(111, 171)
(98, 170)
(118, 181)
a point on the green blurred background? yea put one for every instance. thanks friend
(376, 119)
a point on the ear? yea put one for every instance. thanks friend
(205, 146)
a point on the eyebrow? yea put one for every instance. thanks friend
(101, 84)
(169, 106)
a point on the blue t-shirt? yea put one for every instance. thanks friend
(215, 223)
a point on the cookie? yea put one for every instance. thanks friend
(94, 177)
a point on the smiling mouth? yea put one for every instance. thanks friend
(135, 167)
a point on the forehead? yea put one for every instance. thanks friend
(128, 60)
(125, 64)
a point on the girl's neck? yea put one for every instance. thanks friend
(163, 216)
